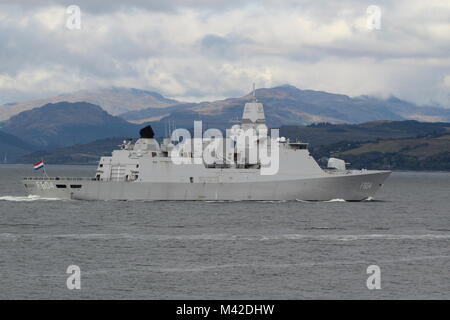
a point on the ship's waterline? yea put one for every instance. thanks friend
(351, 188)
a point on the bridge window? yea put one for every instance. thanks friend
(298, 145)
(75, 186)
(61, 186)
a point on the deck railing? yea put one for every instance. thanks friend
(59, 179)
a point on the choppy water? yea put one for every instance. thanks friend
(226, 250)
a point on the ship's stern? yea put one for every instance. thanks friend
(54, 188)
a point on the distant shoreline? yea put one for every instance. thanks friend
(50, 164)
(93, 165)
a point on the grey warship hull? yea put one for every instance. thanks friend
(353, 186)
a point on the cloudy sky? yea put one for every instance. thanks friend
(207, 49)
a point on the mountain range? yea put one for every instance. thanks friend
(286, 105)
(283, 105)
(113, 100)
(12, 147)
(90, 115)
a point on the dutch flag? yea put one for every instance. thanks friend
(38, 165)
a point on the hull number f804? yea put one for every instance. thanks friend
(45, 185)
(366, 185)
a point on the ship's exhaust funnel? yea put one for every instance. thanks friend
(147, 133)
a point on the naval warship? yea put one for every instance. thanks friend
(146, 170)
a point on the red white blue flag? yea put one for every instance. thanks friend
(38, 165)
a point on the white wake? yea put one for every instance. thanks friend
(336, 200)
(26, 199)
(327, 201)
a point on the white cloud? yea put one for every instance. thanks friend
(202, 49)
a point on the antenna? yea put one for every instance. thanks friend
(170, 130)
(254, 92)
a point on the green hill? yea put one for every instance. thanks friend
(420, 147)
(427, 153)
(323, 134)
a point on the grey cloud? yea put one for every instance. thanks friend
(105, 7)
(230, 47)
(218, 48)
